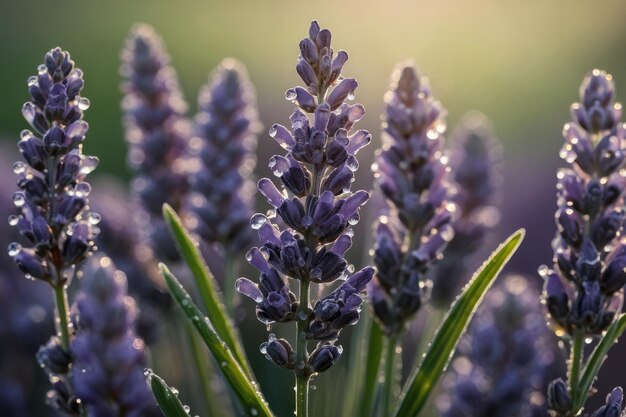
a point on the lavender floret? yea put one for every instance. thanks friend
(53, 198)
(306, 235)
(222, 197)
(582, 292)
(108, 357)
(411, 172)
(157, 132)
(504, 359)
(474, 160)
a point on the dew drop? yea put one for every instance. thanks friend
(186, 408)
(13, 220)
(19, 167)
(223, 364)
(25, 134)
(257, 221)
(42, 69)
(18, 198)
(93, 218)
(291, 94)
(83, 103)
(254, 411)
(82, 189)
(32, 81)
(14, 248)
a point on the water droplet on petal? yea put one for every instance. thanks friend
(14, 248)
(18, 198)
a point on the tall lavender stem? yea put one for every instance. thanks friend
(157, 132)
(222, 197)
(318, 208)
(53, 198)
(584, 292)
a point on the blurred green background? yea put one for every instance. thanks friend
(521, 63)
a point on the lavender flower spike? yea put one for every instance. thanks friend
(583, 292)
(318, 208)
(53, 200)
(108, 356)
(504, 360)
(222, 188)
(156, 130)
(475, 159)
(411, 172)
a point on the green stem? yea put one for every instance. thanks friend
(576, 355)
(63, 315)
(229, 284)
(302, 374)
(390, 377)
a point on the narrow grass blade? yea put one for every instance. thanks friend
(424, 379)
(208, 288)
(166, 398)
(596, 359)
(372, 360)
(251, 399)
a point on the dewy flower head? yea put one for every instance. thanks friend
(318, 207)
(156, 130)
(584, 291)
(53, 198)
(411, 172)
(221, 181)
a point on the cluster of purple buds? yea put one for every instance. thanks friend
(474, 160)
(504, 360)
(318, 209)
(53, 198)
(107, 356)
(612, 406)
(56, 361)
(411, 171)
(157, 132)
(584, 291)
(222, 195)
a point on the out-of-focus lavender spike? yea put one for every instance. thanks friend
(475, 162)
(318, 207)
(411, 171)
(120, 238)
(156, 130)
(504, 361)
(108, 357)
(222, 198)
(583, 292)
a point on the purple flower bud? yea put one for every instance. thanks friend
(279, 351)
(324, 357)
(613, 405)
(53, 358)
(559, 399)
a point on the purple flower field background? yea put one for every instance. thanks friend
(508, 72)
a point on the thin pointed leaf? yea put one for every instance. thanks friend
(597, 358)
(251, 400)
(166, 399)
(424, 379)
(208, 287)
(372, 360)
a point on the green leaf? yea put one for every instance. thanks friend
(372, 360)
(597, 358)
(166, 398)
(424, 379)
(208, 287)
(251, 399)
